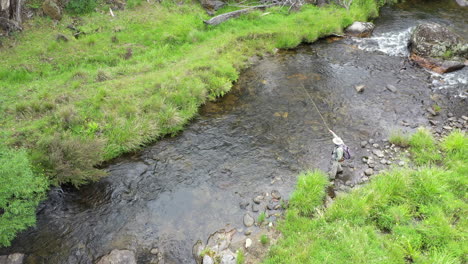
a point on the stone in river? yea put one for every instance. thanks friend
(248, 220)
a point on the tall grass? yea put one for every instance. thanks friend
(128, 80)
(402, 216)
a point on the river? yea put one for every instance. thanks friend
(256, 139)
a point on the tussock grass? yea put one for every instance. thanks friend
(128, 80)
(399, 138)
(402, 216)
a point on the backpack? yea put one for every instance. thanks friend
(346, 152)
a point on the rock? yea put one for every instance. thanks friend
(437, 48)
(363, 144)
(391, 88)
(207, 260)
(118, 257)
(51, 9)
(258, 199)
(244, 204)
(61, 37)
(431, 111)
(464, 118)
(401, 163)
(154, 251)
(212, 5)
(248, 220)
(447, 127)
(371, 141)
(228, 259)
(359, 88)
(437, 65)
(378, 153)
(375, 145)
(383, 161)
(248, 243)
(197, 249)
(248, 232)
(15, 258)
(389, 162)
(360, 29)
(369, 172)
(449, 114)
(276, 194)
(255, 208)
(463, 3)
(433, 122)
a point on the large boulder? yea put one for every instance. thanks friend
(360, 29)
(16, 258)
(437, 48)
(463, 3)
(51, 8)
(118, 257)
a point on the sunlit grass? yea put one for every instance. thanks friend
(404, 215)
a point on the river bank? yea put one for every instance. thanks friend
(254, 140)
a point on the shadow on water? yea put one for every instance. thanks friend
(255, 139)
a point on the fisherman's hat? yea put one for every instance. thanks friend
(338, 141)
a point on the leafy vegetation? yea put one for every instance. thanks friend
(402, 216)
(21, 191)
(264, 239)
(261, 217)
(240, 257)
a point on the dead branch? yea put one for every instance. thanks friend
(224, 17)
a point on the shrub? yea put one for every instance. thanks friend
(81, 6)
(20, 193)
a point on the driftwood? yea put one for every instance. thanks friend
(224, 17)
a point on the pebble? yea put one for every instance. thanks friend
(464, 118)
(255, 208)
(375, 145)
(383, 161)
(276, 194)
(433, 122)
(447, 127)
(244, 204)
(371, 140)
(432, 112)
(363, 144)
(359, 88)
(207, 260)
(364, 179)
(391, 88)
(364, 159)
(258, 199)
(449, 114)
(248, 232)
(154, 251)
(248, 243)
(369, 172)
(401, 163)
(248, 220)
(378, 153)
(389, 162)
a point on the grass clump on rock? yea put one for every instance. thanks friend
(403, 215)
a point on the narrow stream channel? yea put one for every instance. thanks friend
(255, 139)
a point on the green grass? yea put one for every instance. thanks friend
(264, 239)
(402, 216)
(399, 138)
(129, 80)
(240, 258)
(261, 218)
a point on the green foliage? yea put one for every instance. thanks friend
(264, 239)
(81, 6)
(261, 217)
(309, 192)
(21, 191)
(404, 215)
(398, 138)
(133, 3)
(240, 258)
(423, 147)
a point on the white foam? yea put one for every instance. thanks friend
(390, 43)
(454, 80)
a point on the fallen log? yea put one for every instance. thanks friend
(226, 16)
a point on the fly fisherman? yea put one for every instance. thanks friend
(339, 154)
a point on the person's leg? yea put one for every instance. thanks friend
(334, 170)
(339, 168)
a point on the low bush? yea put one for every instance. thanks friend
(21, 190)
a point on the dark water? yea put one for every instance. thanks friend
(256, 139)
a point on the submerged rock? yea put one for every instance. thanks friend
(16, 258)
(360, 29)
(437, 48)
(118, 257)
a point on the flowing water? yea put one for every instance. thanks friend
(255, 139)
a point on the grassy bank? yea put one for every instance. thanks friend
(70, 103)
(409, 215)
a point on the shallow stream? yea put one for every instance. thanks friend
(255, 139)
